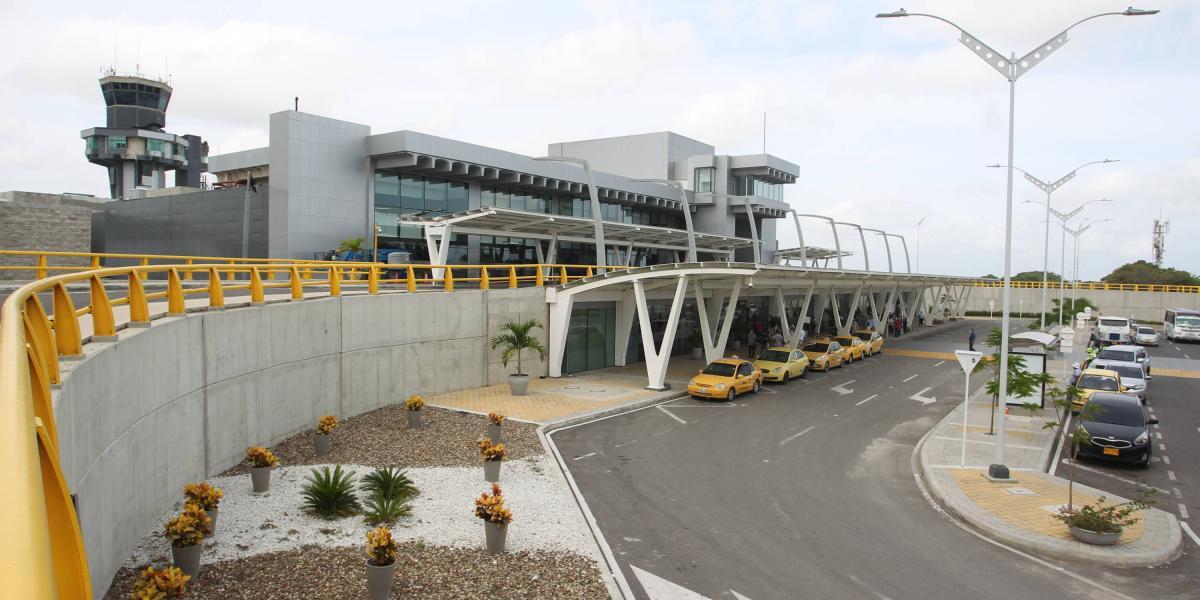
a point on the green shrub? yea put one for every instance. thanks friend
(390, 482)
(330, 494)
(381, 509)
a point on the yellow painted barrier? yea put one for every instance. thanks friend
(1092, 286)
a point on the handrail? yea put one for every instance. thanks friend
(1093, 286)
(43, 556)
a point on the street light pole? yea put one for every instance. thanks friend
(1012, 69)
(1062, 219)
(927, 215)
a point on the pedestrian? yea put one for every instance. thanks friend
(871, 324)
(751, 343)
(777, 338)
(1076, 372)
(971, 340)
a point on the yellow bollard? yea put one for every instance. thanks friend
(175, 303)
(335, 281)
(484, 283)
(139, 309)
(102, 315)
(216, 294)
(256, 287)
(297, 289)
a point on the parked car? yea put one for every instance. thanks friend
(1095, 380)
(1127, 353)
(824, 354)
(1145, 336)
(855, 349)
(1133, 376)
(872, 339)
(1118, 429)
(1112, 330)
(781, 364)
(726, 378)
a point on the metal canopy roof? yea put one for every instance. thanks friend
(809, 252)
(517, 223)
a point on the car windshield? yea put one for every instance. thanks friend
(821, 347)
(774, 356)
(845, 341)
(1127, 371)
(1098, 382)
(1114, 323)
(1146, 331)
(1117, 355)
(1188, 321)
(1115, 412)
(863, 335)
(721, 369)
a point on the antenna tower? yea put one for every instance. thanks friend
(1161, 229)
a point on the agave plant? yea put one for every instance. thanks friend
(390, 482)
(381, 509)
(330, 493)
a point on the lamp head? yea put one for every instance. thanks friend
(1110, 160)
(904, 13)
(1129, 12)
(995, 166)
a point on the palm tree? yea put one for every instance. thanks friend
(515, 337)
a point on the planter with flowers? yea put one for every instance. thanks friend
(323, 437)
(414, 405)
(496, 427)
(164, 583)
(493, 456)
(187, 531)
(261, 462)
(496, 517)
(1102, 524)
(206, 497)
(381, 562)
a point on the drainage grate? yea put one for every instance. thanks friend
(1020, 491)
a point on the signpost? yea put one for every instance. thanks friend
(991, 307)
(967, 360)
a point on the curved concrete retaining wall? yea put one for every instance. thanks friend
(1149, 306)
(182, 400)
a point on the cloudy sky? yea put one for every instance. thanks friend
(888, 119)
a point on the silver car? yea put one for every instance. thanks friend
(1134, 377)
(1145, 336)
(1127, 353)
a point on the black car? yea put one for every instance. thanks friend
(1118, 428)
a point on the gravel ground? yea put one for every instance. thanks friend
(382, 438)
(423, 571)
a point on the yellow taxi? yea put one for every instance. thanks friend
(824, 354)
(726, 378)
(781, 364)
(1095, 380)
(854, 347)
(872, 340)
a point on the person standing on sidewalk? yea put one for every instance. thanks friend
(971, 340)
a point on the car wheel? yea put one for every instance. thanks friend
(787, 376)
(803, 371)
(1145, 464)
(729, 397)
(757, 386)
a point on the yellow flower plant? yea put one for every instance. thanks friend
(381, 547)
(261, 457)
(207, 496)
(496, 418)
(189, 527)
(414, 402)
(326, 424)
(159, 585)
(490, 507)
(490, 451)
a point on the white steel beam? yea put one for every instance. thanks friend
(560, 322)
(798, 333)
(626, 308)
(708, 311)
(658, 357)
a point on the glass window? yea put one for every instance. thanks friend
(154, 145)
(503, 199)
(387, 190)
(745, 369)
(520, 201)
(126, 97)
(456, 197)
(487, 197)
(704, 179)
(412, 193)
(719, 369)
(1117, 412)
(116, 142)
(435, 196)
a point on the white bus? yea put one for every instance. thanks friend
(1182, 324)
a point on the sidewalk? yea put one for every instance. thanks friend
(1019, 513)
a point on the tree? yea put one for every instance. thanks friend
(1036, 276)
(515, 337)
(1144, 272)
(1063, 399)
(1021, 383)
(1074, 307)
(353, 244)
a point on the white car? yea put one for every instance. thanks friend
(1113, 330)
(1125, 353)
(1145, 336)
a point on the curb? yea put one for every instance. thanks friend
(1049, 547)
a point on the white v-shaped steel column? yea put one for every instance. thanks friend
(962, 305)
(843, 326)
(437, 240)
(878, 315)
(709, 313)
(910, 311)
(658, 357)
(819, 313)
(560, 322)
(798, 333)
(626, 308)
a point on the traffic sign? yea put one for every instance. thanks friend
(967, 359)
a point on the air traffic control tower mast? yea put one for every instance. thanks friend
(133, 145)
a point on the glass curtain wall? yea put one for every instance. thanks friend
(399, 195)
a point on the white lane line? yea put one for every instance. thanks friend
(767, 390)
(1117, 477)
(868, 399)
(672, 415)
(1188, 530)
(1162, 447)
(1158, 434)
(810, 428)
(939, 363)
(1178, 494)
(1171, 475)
(1166, 460)
(985, 442)
(625, 444)
(584, 456)
(1187, 357)
(1183, 514)
(910, 378)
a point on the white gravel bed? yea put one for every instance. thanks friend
(545, 516)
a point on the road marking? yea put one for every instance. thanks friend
(910, 378)
(1158, 434)
(584, 456)
(959, 440)
(1183, 514)
(1171, 475)
(862, 584)
(868, 399)
(1166, 460)
(841, 389)
(658, 588)
(922, 399)
(1187, 357)
(1117, 477)
(763, 388)
(939, 363)
(625, 444)
(738, 596)
(1178, 494)
(1162, 447)
(1188, 530)
(672, 415)
(810, 428)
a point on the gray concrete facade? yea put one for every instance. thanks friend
(205, 223)
(1147, 306)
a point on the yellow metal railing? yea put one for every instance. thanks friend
(1093, 286)
(42, 555)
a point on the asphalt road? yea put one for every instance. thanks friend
(803, 491)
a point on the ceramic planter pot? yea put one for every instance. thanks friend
(212, 514)
(497, 536)
(414, 419)
(187, 558)
(496, 433)
(261, 478)
(518, 385)
(1094, 538)
(379, 580)
(322, 443)
(697, 353)
(491, 470)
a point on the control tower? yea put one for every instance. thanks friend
(133, 144)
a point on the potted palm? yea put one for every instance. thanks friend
(187, 531)
(697, 344)
(323, 437)
(207, 497)
(164, 583)
(261, 462)
(414, 405)
(1101, 524)
(514, 337)
(381, 562)
(493, 456)
(496, 517)
(496, 427)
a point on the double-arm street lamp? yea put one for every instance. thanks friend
(1011, 68)
(1084, 226)
(1062, 220)
(1050, 188)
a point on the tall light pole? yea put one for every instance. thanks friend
(837, 244)
(1050, 188)
(863, 239)
(1062, 220)
(687, 215)
(1012, 69)
(919, 223)
(597, 219)
(1084, 226)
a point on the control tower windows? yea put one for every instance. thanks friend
(116, 143)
